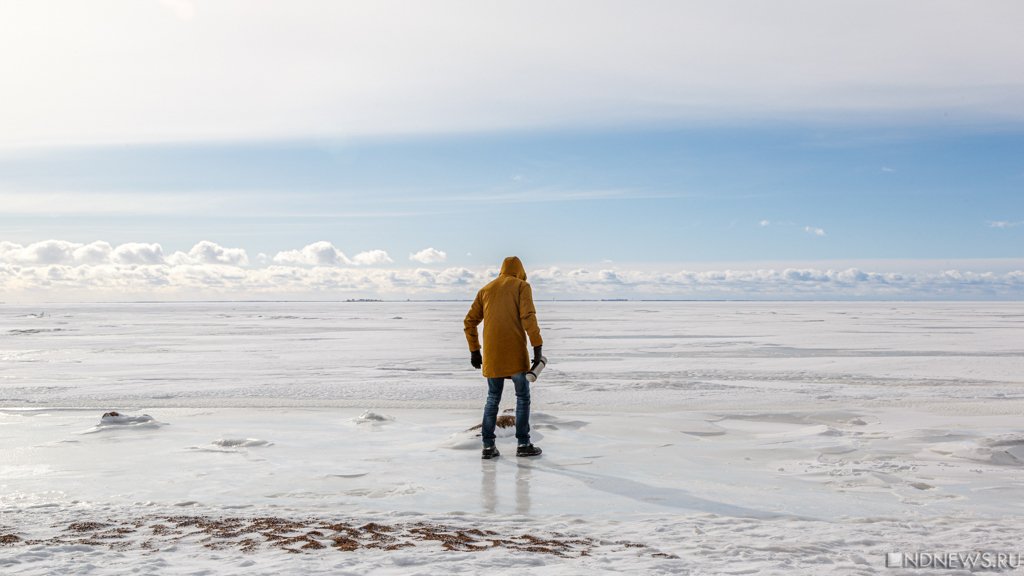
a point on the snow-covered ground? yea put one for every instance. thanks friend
(680, 438)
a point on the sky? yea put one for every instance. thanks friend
(314, 149)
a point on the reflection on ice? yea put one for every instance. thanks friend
(496, 486)
(524, 475)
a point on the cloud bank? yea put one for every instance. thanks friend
(61, 270)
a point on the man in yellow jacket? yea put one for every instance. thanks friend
(505, 306)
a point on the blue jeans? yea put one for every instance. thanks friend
(494, 389)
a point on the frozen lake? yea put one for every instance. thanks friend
(679, 437)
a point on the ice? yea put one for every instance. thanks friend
(371, 417)
(241, 442)
(679, 438)
(116, 420)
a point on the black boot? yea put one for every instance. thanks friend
(490, 452)
(528, 450)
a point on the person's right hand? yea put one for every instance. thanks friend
(476, 359)
(536, 357)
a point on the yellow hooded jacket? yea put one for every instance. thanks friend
(505, 306)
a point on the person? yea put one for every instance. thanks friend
(505, 306)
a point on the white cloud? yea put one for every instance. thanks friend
(60, 252)
(429, 256)
(814, 230)
(777, 223)
(668, 62)
(610, 277)
(1004, 224)
(39, 253)
(135, 253)
(320, 253)
(206, 252)
(458, 277)
(372, 258)
(887, 169)
(94, 253)
(324, 253)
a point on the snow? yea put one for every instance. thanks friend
(679, 438)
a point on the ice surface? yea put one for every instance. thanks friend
(679, 438)
(371, 417)
(116, 421)
(240, 442)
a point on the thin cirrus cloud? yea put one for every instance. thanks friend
(1005, 224)
(182, 9)
(56, 269)
(812, 230)
(702, 60)
(56, 203)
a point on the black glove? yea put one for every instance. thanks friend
(475, 359)
(536, 357)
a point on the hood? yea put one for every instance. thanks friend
(512, 266)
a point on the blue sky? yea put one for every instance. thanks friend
(615, 148)
(737, 193)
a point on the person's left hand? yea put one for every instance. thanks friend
(476, 359)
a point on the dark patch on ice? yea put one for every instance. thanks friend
(241, 442)
(25, 331)
(730, 350)
(800, 418)
(545, 418)
(771, 351)
(1008, 457)
(582, 380)
(704, 433)
(1005, 440)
